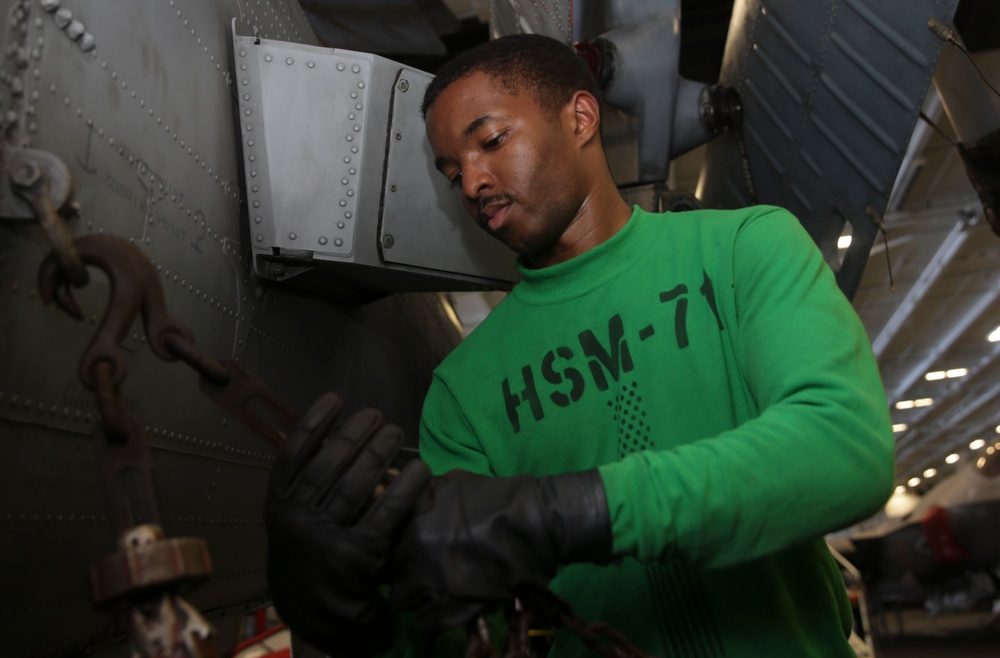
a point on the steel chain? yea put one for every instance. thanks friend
(232, 387)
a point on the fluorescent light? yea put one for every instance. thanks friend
(909, 404)
(844, 242)
(994, 336)
(899, 427)
(913, 482)
(977, 444)
(936, 375)
(952, 458)
(930, 472)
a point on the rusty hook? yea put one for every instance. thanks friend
(37, 177)
(135, 290)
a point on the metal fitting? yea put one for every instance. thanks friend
(721, 108)
(75, 30)
(63, 18)
(87, 42)
(148, 561)
(599, 56)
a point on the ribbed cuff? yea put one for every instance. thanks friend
(578, 512)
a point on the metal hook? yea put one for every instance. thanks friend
(135, 290)
(42, 180)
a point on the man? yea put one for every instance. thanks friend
(672, 409)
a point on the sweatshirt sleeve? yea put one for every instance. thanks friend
(817, 458)
(447, 440)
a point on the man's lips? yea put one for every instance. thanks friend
(493, 215)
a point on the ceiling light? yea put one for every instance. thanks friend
(994, 336)
(977, 444)
(923, 402)
(952, 458)
(990, 450)
(912, 482)
(843, 242)
(956, 372)
(934, 376)
(981, 462)
(899, 427)
(904, 404)
(900, 489)
(930, 472)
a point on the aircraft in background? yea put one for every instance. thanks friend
(276, 224)
(944, 552)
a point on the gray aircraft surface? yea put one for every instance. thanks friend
(265, 201)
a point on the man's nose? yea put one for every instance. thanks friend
(476, 180)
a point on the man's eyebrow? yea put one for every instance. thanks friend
(475, 123)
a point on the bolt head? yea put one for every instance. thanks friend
(25, 173)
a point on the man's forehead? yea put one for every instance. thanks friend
(476, 88)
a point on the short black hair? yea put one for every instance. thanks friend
(545, 67)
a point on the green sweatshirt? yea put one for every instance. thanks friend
(708, 364)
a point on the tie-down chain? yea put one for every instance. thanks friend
(149, 571)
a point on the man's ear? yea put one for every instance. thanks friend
(586, 115)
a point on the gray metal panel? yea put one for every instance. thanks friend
(831, 90)
(304, 112)
(430, 227)
(338, 170)
(145, 123)
(553, 18)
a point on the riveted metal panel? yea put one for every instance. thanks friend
(423, 221)
(338, 170)
(137, 100)
(303, 113)
(553, 18)
(830, 94)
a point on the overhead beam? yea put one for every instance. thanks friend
(951, 244)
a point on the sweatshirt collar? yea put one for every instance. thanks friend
(585, 272)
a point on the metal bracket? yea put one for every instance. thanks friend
(21, 167)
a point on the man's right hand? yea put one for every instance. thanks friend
(326, 550)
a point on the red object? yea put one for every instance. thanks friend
(941, 538)
(260, 637)
(592, 56)
(260, 619)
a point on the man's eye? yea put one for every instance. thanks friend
(455, 181)
(494, 142)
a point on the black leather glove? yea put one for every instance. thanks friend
(475, 541)
(326, 551)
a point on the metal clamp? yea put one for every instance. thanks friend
(148, 561)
